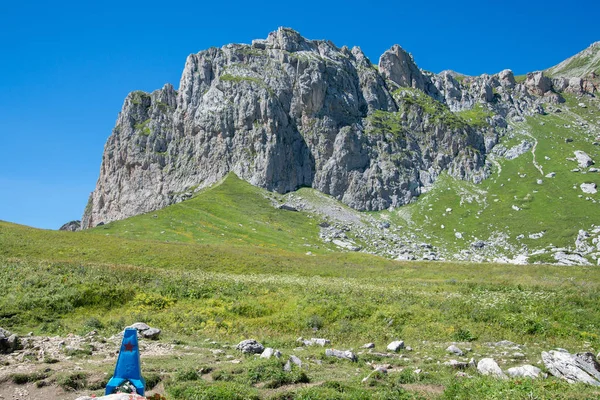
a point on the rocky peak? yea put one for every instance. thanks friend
(399, 67)
(286, 112)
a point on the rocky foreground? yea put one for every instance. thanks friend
(44, 360)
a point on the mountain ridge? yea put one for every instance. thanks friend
(287, 112)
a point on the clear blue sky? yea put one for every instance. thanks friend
(66, 67)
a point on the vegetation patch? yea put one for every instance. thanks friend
(476, 116)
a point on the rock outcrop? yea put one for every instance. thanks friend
(71, 226)
(9, 342)
(287, 112)
(282, 113)
(574, 368)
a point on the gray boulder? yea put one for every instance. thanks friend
(583, 159)
(518, 150)
(347, 354)
(590, 188)
(537, 83)
(250, 346)
(574, 368)
(453, 349)
(487, 366)
(396, 345)
(525, 371)
(151, 333)
(321, 342)
(9, 342)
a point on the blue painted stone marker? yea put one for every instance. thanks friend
(128, 366)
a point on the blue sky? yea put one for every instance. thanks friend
(66, 67)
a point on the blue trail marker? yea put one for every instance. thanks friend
(128, 366)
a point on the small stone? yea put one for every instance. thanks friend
(295, 360)
(454, 350)
(348, 355)
(267, 353)
(396, 345)
(369, 346)
(525, 371)
(457, 364)
(320, 342)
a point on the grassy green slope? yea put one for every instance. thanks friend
(580, 65)
(232, 212)
(557, 207)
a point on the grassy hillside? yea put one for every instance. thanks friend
(61, 282)
(232, 212)
(518, 210)
(580, 65)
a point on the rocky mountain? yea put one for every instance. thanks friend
(287, 112)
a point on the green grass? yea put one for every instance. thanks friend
(407, 98)
(477, 116)
(142, 128)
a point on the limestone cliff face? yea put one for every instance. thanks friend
(287, 112)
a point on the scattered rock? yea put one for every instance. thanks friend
(250, 346)
(580, 367)
(320, 342)
(396, 345)
(551, 175)
(293, 360)
(570, 259)
(346, 245)
(583, 160)
(348, 355)
(457, 364)
(146, 331)
(487, 366)
(590, 188)
(9, 342)
(518, 150)
(287, 207)
(151, 333)
(270, 352)
(453, 349)
(369, 346)
(525, 371)
(479, 244)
